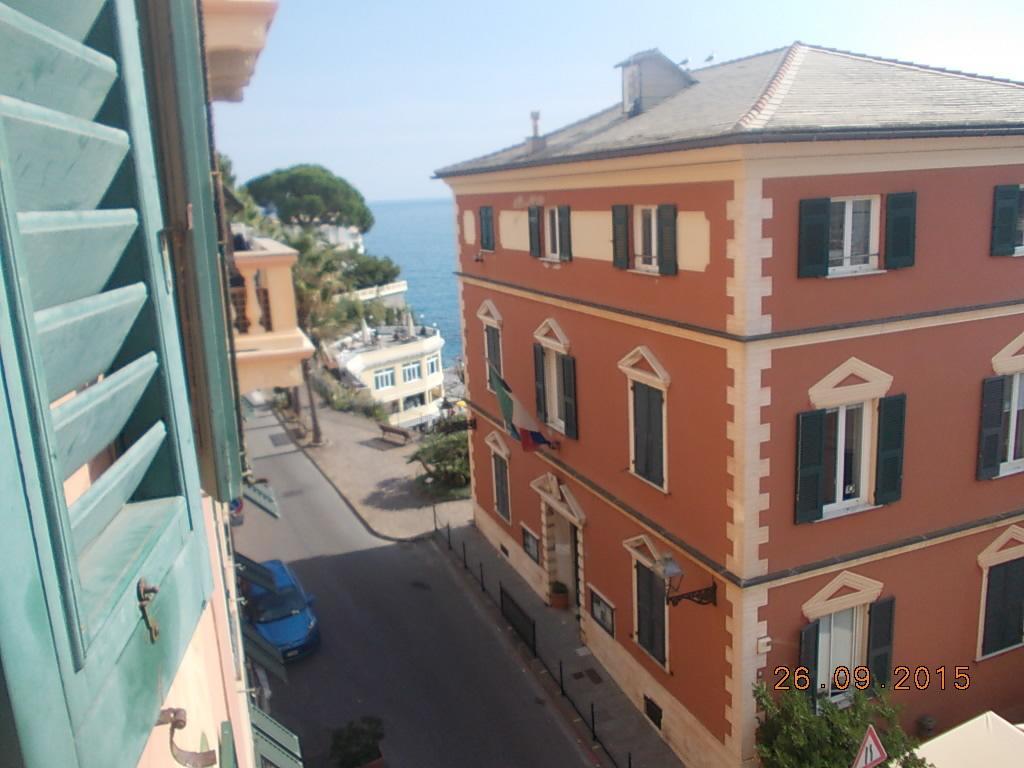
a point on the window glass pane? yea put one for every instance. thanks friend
(1020, 220)
(1004, 450)
(842, 643)
(860, 243)
(851, 451)
(559, 388)
(647, 235)
(1018, 438)
(553, 229)
(824, 652)
(830, 458)
(837, 234)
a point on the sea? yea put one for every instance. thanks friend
(419, 236)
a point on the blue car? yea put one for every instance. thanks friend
(284, 617)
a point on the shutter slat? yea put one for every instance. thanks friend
(53, 244)
(620, 236)
(107, 496)
(65, 74)
(1005, 213)
(880, 624)
(564, 233)
(812, 257)
(991, 437)
(539, 386)
(59, 162)
(891, 430)
(72, 19)
(78, 341)
(534, 217)
(900, 229)
(809, 655)
(667, 258)
(810, 466)
(641, 413)
(655, 436)
(569, 392)
(89, 421)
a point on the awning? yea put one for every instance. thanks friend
(254, 573)
(262, 496)
(274, 743)
(986, 740)
(263, 653)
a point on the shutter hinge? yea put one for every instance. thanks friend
(177, 719)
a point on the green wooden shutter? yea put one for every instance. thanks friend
(891, 428)
(655, 436)
(810, 466)
(641, 411)
(569, 395)
(227, 758)
(809, 655)
(1004, 607)
(501, 485)
(538, 383)
(564, 233)
(880, 623)
(90, 295)
(1005, 214)
(992, 435)
(493, 340)
(620, 236)
(812, 258)
(644, 618)
(657, 611)
(487, 228)
(534, 216)
(667, 260)
(900, 229)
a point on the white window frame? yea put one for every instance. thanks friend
(1018, 250)
(407, 368)
(433, 365)
(498, 447)
(551, 225)
(489, 316)
(658, 378)
(637, 264)
(859, 653)
(1011, 465)
(873, 236)
(641, 549)
(590, 609)
(526, 530)
(868, 437)
(381, 374)
(550, 335)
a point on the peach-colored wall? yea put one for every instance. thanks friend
(952, 268)
(938, 594)
(940, 370)
(695, 507)
(690, 297)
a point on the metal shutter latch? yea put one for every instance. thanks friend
(177, 719)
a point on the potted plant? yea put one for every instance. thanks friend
(559, 596)
(357, 744)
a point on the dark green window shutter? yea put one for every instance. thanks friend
(900, 229)
(534, 215)
(487, 228)
(569, 389)
(809, 655)
(1004, 607)
(812, 259)
(667, 261)
(1005, 215)
(493, 339)
(650, 611)
(891, 428)
(810, 466)
(620, 236)
(648, 438)
(880, 622)
(641, 412)
(501, 485)
(227, 746)
(991, 438)
(564, 233)
(538, 382)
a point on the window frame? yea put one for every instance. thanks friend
(874, 233)
(996, 553)
(490, 318)
(595, 594)
(416, 365)
(859, 653)
(499, 448)
(527, 533)
(433, 365)
(554, 389)
(383, 372)
(636, 263)
(868, 437)
(658, 378)
(551, 226)
(1012, 466)
(487, 239)
(1018, 250)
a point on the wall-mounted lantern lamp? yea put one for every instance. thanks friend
(672, 572)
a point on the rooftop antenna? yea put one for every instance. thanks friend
(536, 142)
(535, 119)
(684, 62)
(710, 58)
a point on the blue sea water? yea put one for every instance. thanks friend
(419, 236)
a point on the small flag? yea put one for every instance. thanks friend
(518, 421)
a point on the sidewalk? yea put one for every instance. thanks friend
(626, 735)
(373, 475)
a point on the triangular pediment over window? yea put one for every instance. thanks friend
(550, 334)
(642, 365)
(497, 444)
(852, 382)
(1008, 546)
(642, 549)
(489, 314)
(846, 590)
(559, 498)
(1010, 359)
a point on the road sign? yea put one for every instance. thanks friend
(871, 752)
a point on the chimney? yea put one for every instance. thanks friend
(648, 78)
(536, 142)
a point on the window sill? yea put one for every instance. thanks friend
(646, 272)
(1000, 652)
(662, 664)
(1007, 469)
(857, 273)
(851, 510)
(662, 488)
(550, 260)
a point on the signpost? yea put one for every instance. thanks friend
(871, 752)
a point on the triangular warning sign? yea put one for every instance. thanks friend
(871, 752)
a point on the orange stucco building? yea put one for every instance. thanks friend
(770, 315)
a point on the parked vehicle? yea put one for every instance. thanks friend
(284, 617)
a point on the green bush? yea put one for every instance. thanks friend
(792, 735)
(445, 457)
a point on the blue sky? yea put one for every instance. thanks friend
(384, 92)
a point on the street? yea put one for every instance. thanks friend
(401, 639)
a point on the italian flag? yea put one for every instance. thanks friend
(519, 422)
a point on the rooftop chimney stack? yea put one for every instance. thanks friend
(536, 142)
(650, 77)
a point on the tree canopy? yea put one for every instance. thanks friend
(311, 195)
(364, 271)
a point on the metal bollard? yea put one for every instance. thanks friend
(561, 678)
(449, 536)
(629, 760)
(465, 563)
(482, 587)
(593, 724)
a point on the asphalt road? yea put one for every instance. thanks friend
(402, 639)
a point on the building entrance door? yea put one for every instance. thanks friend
(566, 563)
